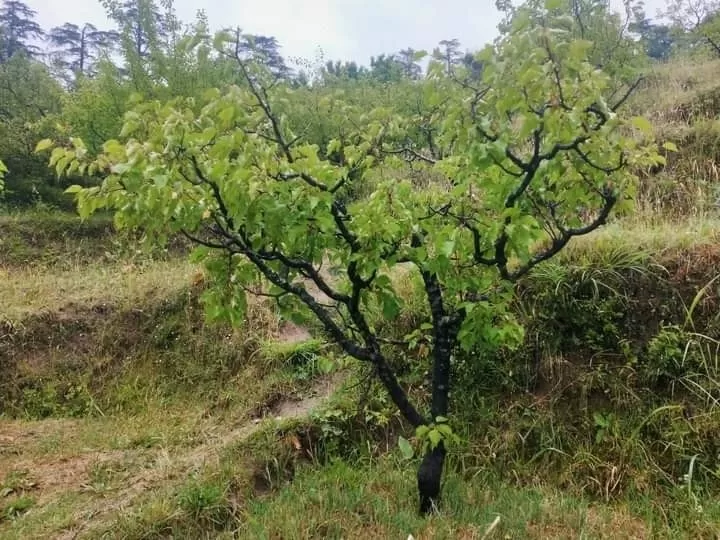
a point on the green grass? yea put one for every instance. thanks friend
(29, 291)
(377, 499)
(133, 418)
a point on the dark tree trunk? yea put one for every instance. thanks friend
(445, 332)
(430, 473)
(429, 477)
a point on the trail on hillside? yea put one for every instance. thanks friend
(47, 478)
(169, 466)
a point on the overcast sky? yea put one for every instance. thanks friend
(344, 29)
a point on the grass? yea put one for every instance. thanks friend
(48, 238)
(343, 501)
(127, 416)
(672, 91)
(650, 233)
(29, 291)
(170, 419)
(376, 499)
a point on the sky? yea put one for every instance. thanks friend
(343, 29)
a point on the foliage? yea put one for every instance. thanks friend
(30, 99)
(161, 57)
(698, 20)
(537, 143)
(611, 46)
(79, 47)
(17, 29)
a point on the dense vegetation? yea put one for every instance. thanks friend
(428, 223)
(77, 79)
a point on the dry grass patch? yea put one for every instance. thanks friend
(30, 291)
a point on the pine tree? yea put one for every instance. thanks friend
(17, 29)
(449, 53)
(78, 47)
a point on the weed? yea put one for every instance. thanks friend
(16, 507)
(204, 501)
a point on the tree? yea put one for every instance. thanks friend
(699, 19)
(17, 28)
(30, 100)
(408, 59)
(525, 150)
(472, 66)
(265, 50)
(343, 70)
(657, 39)
(612, 47)
(79, 46)
(386, 68)
(95, 108)
(449, 53)
(141, 23)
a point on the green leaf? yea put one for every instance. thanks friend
(643, 124)
(447, 247)
(670, 146)
(56, 154)
(43, 145)
(227, 114)
(422, 431)
(390, 306)
(405, 447)
(435, 437)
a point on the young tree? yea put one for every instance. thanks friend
(17, 29)
(78, 47)
(525, 149)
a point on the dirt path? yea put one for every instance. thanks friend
(47, 477)
(172, 465)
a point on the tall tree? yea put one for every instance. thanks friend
(408, 59)
(17, 29)
(386, 68)
(346, 70)
(79, 46)
(449, 53)
(265, 50)
(657, 39)
(141, 24)
(697, 19)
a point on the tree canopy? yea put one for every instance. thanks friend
(17, 29)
